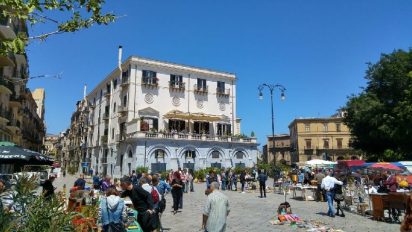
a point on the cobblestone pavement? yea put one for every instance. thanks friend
(251, 213)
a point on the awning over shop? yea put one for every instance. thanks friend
(176, 114)
(148, 112)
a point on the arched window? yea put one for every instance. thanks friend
(159, 154)
(215, 154)
(239, 155)
(190, 154)
(130, 154)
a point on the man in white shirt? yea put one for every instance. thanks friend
(216, 210)
(328, 183)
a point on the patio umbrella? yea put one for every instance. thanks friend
(12, 154)
(385, 166)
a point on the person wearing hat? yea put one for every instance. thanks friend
(142, 202)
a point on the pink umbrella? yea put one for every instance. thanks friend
(386, 166)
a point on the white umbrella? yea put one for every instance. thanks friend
(318, 162)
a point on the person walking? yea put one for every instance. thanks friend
(80, 183)
(262, 178)
(328, 184)
(319, 193)
(234, 180)
(191, 177)
(177, 192)
(189, 182)
(96, 181)
(339, 197)
(48, 188)
(224, 180)
(112, 212)
(106, 183)
(216, 210)
(142, 202)
(243, 180)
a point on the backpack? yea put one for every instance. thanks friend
(155, 196)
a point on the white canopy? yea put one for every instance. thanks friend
(319, 162)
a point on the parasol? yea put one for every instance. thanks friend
(385, 166)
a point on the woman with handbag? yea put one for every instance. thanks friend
(112, 212)
(339, 197)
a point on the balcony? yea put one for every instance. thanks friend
(5, 86)
(107, 94)
(103, 160)
(189, 137)
(104, 139)
(125, 82)
(122, 109)
(150, 82)
(16, 101)
(201, 89)
(308, 150)
(177, 85)
(119, 137)
(6, 28)
(221, 92)
(106, 116)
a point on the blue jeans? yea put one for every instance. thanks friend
(329, 198)
(223, 185)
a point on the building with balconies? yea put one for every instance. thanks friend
(321, 138)
(164, 116)
(19, 121)
(278, 148)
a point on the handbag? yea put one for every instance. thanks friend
(339, 197)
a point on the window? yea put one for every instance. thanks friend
(339, 143)
(112, 133)
(215, 155)
(101, 93)
(190, 154)
(224, 129)
(239, 155)
(114, 83)
(221, 87)
(130, 154)
(326, 143)
(124, 100)
(201, 84)
(176, 80)
(307, 127)
(177, 125)
(325, 127)
(114, 107)
(159, 154)
(149, 77)
(108, 88)
(308, 143)
(149, 124)
(338, 129)
(201, 127)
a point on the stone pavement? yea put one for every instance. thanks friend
(251, 213)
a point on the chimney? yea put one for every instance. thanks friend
(84, 91)
(120, 59)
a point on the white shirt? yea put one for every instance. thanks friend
(329, 182)
(217, 209)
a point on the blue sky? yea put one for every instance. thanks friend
(317, 49)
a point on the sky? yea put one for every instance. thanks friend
(318, 50)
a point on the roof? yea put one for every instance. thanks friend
(326, 119)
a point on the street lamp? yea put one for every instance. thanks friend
(272, 88)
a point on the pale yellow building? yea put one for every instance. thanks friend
(39, 96)
(320, 138)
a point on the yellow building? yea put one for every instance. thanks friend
(320, 138)
(281, 150)
(39, 96)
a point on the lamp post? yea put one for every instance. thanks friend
(272, 88)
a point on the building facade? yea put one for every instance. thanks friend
(321, 138)
(39, 96)
(19, 121)
(281, 150)
(163, 116)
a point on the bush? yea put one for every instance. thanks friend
(164, 176)
(141, 169)
(35, 213)
(200, 174)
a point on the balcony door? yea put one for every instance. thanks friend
(177, 125)
(201, 128)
